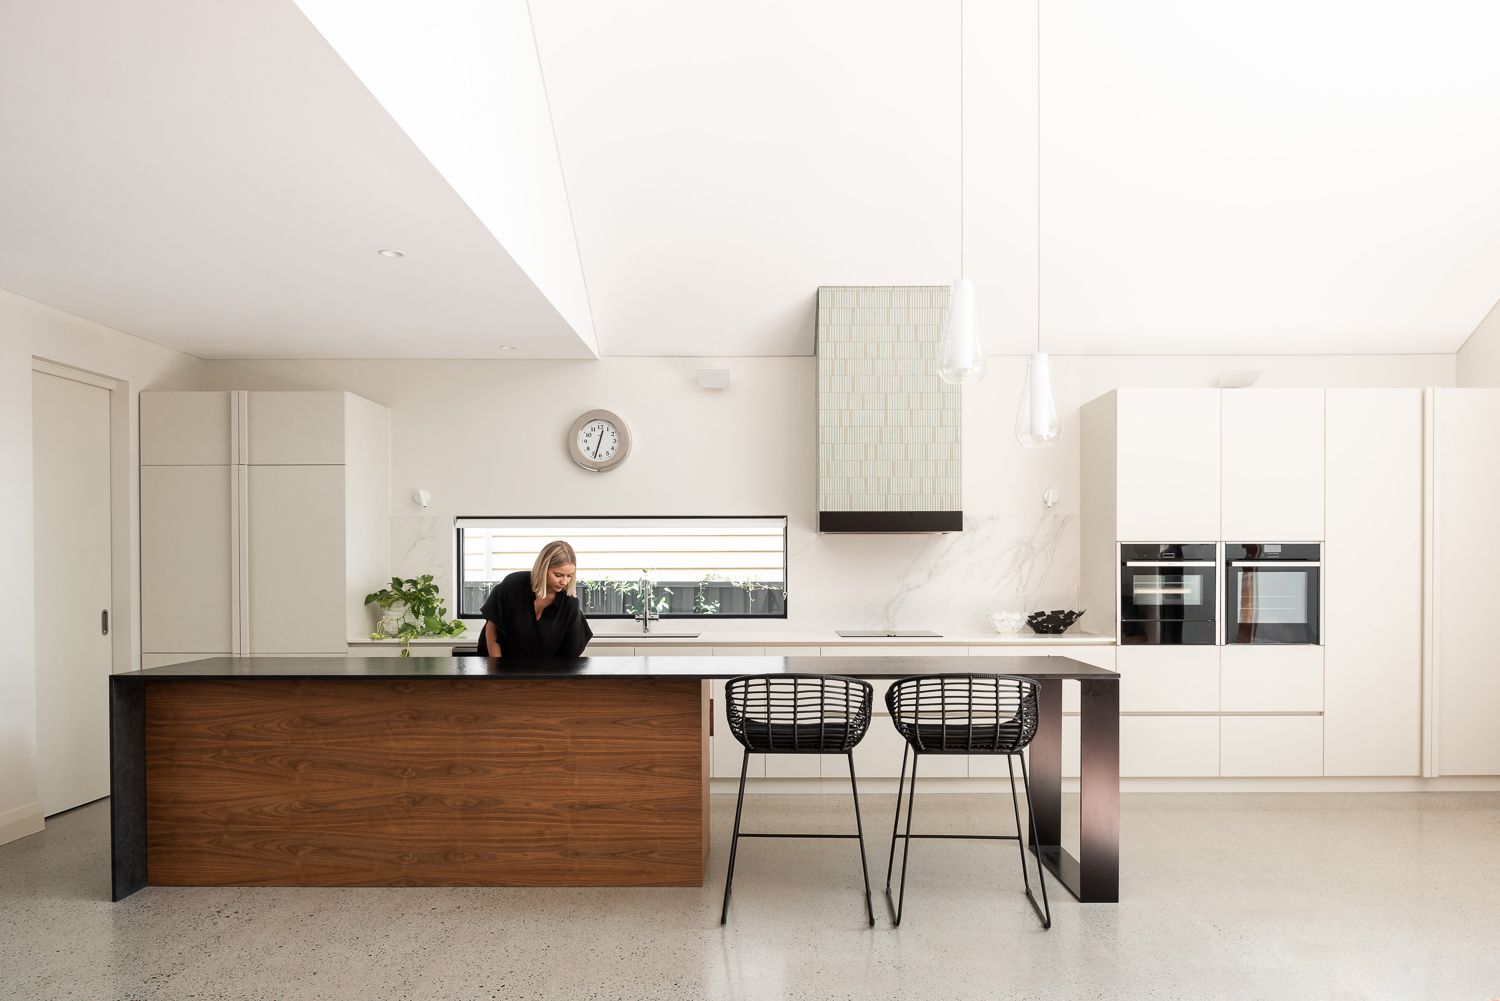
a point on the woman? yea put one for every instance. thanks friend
(536, 613)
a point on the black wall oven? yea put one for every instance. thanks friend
(1272, 592)
(1167, 593)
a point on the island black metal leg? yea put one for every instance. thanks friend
(1099, 792)
(1094, 877)
(127, 787)
(1046, 764)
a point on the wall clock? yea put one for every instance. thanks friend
(599, 440)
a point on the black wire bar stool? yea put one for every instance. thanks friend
(964, 714)
(797, 714)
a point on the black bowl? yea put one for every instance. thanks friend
(1054, 622)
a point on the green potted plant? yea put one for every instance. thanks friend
(410, 608)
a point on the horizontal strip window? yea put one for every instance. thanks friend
(668, 567)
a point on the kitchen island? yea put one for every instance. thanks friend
(453, 771)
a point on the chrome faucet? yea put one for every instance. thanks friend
(646, 594)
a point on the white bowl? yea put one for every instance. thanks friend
(1007, 623)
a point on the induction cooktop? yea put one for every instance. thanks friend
(850, 634)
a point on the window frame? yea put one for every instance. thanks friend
(458, 561)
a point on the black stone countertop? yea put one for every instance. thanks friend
(284, 668)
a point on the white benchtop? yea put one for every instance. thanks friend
(778, 639)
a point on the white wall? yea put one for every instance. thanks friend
(487, 438)
(31, 330)
(1478, 361)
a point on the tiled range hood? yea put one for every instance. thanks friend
(889, 456)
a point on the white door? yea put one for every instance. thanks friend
(70, 459)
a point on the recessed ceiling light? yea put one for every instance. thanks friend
(390, 253)
(507, 347)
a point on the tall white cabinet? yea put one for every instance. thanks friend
(1372, 583)
(1463, 551)
(265, 519)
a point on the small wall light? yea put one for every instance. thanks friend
(422, 497)
(713, 378)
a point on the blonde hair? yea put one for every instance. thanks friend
(553, 554)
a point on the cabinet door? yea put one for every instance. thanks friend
(1169, 746)
(1372, 567)
(295, 559)
(1273, 465)
(187, 593)
(185, 429)
(1168, 465)
(1466, 552)
(1271, 679)
(305, 428)
(1162, 679)
(1272, 746)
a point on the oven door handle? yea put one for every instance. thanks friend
(1169, 563)
(1289, 564)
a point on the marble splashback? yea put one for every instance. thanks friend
(947, 583)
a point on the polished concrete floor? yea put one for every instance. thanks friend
(1224, 896)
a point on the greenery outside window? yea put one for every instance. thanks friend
(693, 567)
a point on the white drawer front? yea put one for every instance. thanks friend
(1272, 746)
(1169, 746)
(1271, 679)
(993, 765)
(1169, 678)
(879, 755)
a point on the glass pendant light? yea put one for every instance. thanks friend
(960, 353)
(1036, 422)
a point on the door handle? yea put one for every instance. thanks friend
(104, 623)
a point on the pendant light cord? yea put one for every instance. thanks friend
(1038, 176)
(961, 245)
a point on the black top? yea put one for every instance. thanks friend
(376, 668)
(560, 632)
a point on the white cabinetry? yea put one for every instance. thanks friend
(1261, 746)
(1372, 583)
(1272, 465)
(187, 546)
(295, 560)
(1464, 550)
(1169, 746)
(1271, 679)
(265, 519)
(1167, 465)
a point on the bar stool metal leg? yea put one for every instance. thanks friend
(890, 863)
(899, 906)
(734, 842)
(859, 827)
(1045, 911)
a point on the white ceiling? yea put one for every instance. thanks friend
(1308, 177)
(213, 177)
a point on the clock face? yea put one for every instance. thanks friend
(599, 440)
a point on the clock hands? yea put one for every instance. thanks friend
(599, 443)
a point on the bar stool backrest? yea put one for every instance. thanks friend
(965, 713)
(792, 713)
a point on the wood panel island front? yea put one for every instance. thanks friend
(454, 771)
